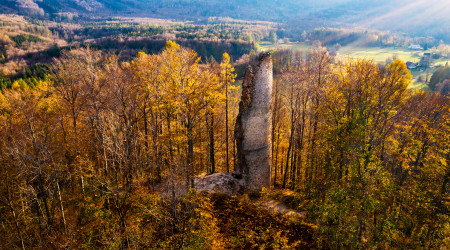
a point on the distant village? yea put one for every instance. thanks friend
(425, 59)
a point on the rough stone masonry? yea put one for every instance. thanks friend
(253, 132)
(253, 128)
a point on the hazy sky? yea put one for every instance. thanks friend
(413, 14)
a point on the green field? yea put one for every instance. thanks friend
(379, 54)
(371, 53)
(375, 53)
(264, 46)
(415, 84)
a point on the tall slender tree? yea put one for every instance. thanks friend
(227, 76)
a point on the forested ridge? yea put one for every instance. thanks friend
(102, 153)
(419, 18)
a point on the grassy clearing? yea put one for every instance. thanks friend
(415, 83)
(379, 54)
(374, 53)
(441, 62)
(264, 46)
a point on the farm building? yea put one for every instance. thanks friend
(411, 65)
(415, 47)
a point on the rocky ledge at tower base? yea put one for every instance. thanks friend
(225, 183)
(253, 136)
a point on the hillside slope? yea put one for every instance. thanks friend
(189, 9)
(418, 17)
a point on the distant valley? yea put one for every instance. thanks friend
(419, 18)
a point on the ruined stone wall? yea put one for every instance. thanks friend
(254, 126)
(253, 133)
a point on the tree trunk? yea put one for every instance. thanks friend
(190, 153)
(155, 147)
(61, 207)
(288, 157)
(226, 124)
(11, 207)
(211, 144)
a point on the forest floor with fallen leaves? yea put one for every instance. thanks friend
(262, 222)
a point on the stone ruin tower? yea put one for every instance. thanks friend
(253, 133)
(253, 128)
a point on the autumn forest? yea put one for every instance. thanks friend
(103, 154)
(123, 124)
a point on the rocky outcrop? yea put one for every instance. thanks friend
(254, 125)
(253, 136)
(224, 183)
